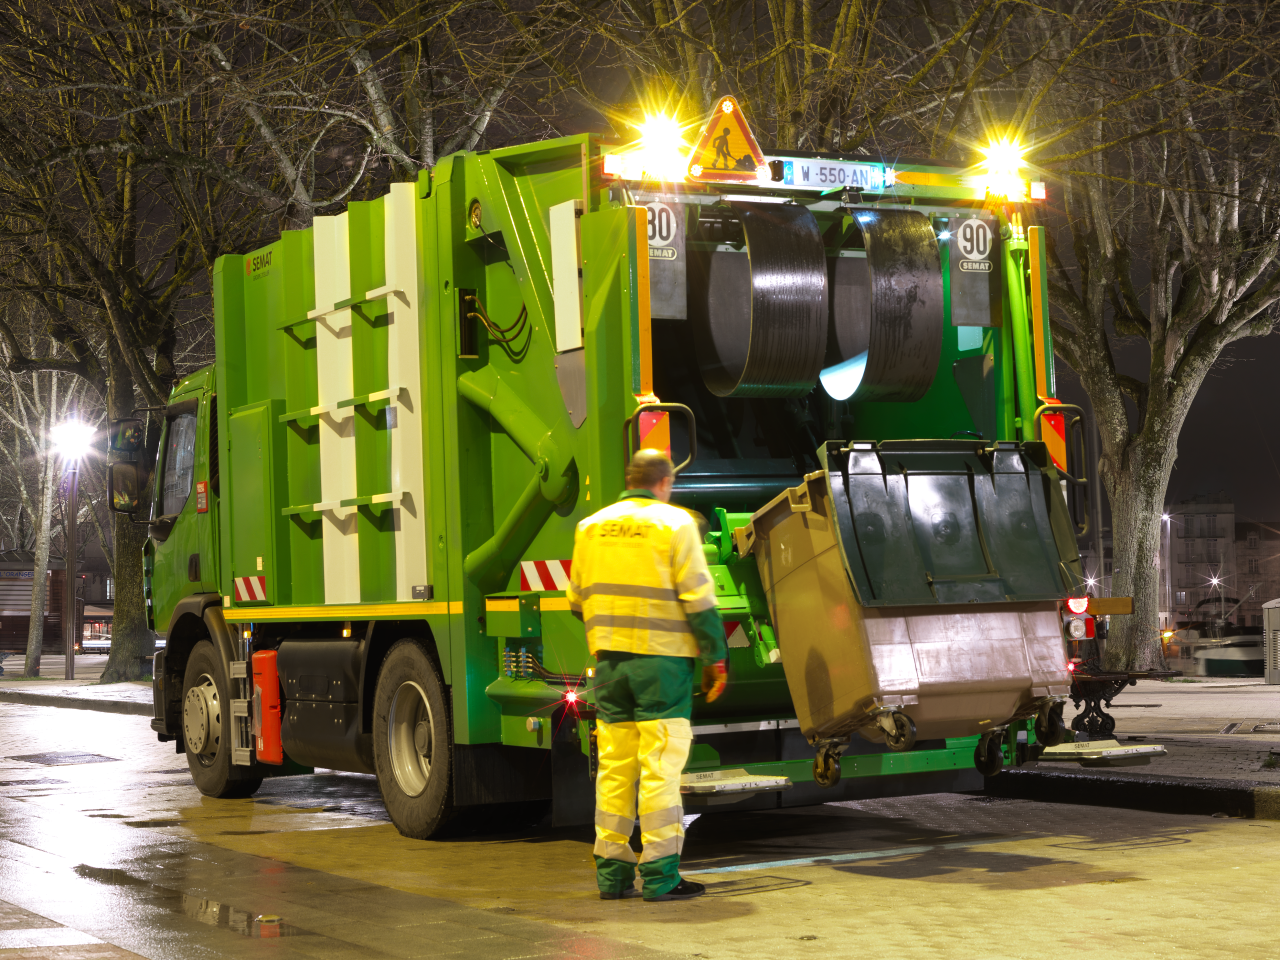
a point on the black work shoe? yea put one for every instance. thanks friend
(684, 890)
(626, 894)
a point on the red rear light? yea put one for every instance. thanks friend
(1071, 667)
(1088, 628)
(1077, 604)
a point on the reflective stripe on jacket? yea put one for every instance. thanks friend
(638, 573)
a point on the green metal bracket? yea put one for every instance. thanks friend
(507, 616)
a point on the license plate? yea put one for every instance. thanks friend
(831, 175)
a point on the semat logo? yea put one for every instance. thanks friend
(257, 262)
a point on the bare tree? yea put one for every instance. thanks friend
(115, 199)
(1156, 124)
(31, 405)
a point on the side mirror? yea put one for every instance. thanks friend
(122, 485)
(126, 436)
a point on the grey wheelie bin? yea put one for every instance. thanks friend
(915, 590)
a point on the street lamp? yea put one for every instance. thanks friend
(71, 441)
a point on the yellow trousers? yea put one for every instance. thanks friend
(650, 753)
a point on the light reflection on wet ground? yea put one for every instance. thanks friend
(127, 852)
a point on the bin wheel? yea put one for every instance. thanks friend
(1050, 730)
(826, 768)
(988, 757)
(903, 737)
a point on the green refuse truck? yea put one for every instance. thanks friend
(362, 516)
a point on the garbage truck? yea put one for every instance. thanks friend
(362, 519)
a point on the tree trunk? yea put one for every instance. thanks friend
(131, 638)
(1137, 501)
(40, 570)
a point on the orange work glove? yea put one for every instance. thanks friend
(715, 676)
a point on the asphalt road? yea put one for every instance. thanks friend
(118, 857)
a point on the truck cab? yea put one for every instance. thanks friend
(181, 553)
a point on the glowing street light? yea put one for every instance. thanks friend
(71, 440)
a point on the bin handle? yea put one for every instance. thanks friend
(798, 499)
(633, 429)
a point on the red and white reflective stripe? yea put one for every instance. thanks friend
(544, 574)
(250, 588)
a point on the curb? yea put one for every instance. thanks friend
(76, 703)
(1189, 795)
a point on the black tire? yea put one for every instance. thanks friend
(206, 727)
(414, 762)
(1050, 730)
(988, 757)
(903, 737)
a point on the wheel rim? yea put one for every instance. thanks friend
(202, 719)
(411, 738)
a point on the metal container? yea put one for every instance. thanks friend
(955, 669)
(1271, 640)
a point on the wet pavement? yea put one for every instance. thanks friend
(107, 850)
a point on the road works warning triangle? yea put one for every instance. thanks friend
(727, 152)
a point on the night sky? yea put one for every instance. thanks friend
(1231, 438)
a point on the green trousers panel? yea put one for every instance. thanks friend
(638, 686)
(658, 876)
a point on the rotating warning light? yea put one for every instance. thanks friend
(1077, 604)
(1002, 168)
(660, 153)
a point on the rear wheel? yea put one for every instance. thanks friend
(1050, 729)
(206, 726)
(413, 742)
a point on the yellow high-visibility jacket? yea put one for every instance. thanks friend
(640, 581)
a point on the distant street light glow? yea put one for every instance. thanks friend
(71, 439)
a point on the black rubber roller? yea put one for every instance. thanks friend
(760, 316)
(886, 311)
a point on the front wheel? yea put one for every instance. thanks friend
(206, 726)
(413, 742)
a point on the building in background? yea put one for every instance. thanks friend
(1258, 565)
(1208, 562)
(16, 580)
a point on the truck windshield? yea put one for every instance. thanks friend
(179, 463)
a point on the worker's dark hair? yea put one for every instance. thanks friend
(648, 468)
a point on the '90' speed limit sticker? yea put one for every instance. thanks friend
(972, 238)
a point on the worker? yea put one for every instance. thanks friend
(640, 582)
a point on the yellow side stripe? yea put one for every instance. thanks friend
(343, 611)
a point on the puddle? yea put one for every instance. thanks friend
(63, 759)
(200, 909)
